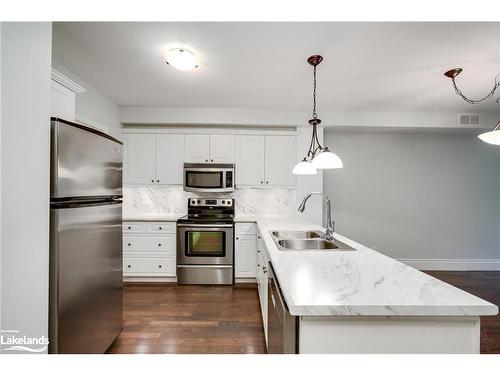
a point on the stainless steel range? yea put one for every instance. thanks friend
(205, 242)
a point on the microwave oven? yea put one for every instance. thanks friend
(208, 177)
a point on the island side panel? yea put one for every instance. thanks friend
(398, 335)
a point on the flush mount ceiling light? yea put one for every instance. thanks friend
(182, 59)
(317, 157)
(492, 137)
(453, 73)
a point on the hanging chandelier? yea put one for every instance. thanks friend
(317, 157)
(453, 73)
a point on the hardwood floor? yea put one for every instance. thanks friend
(484, 284)
(190, 319)
(168, 318)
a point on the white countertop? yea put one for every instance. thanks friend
(362, 282)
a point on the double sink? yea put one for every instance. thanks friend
(307, 241)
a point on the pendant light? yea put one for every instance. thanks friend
(492, 137)
(317, 157)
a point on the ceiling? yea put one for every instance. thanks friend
(367, 66)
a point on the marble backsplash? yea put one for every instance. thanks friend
(139, 200)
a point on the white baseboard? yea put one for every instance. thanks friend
(453, 264)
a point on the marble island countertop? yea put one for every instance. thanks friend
(362, 282)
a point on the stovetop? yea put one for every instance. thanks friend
(209, 210)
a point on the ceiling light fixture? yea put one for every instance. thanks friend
(182, 59)
(453, 73)
(317, 157)
(492, 137)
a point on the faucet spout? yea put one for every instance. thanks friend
(330, 225)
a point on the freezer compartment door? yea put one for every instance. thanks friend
(84, 162)
(86, 291)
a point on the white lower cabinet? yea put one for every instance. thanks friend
(262, 265)
(149, 249)
(245, 245)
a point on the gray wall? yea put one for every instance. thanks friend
(417, 196)
(94, 108)
(25, 114)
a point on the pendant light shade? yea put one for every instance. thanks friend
(304, 167)
(317, 157)
(492, 137)
(327, 160)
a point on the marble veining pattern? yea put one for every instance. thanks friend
(167, 200)
(362, 282)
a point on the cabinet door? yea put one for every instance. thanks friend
(244, 256)
(280, 159)
(197, 148)
(140, 159)
(62, 102)
(170, 158)
(222, 148)
(249, 160)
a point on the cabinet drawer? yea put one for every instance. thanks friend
(133, 227)
(165, 266)
(165, 244)
(245, 228)
(163, 227)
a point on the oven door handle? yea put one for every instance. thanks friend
(204, 225)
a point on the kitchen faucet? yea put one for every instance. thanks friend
(330, 225)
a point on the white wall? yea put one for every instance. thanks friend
(25, 86)
(419, 196)
(94, 108)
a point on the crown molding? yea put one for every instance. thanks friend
(66, 82)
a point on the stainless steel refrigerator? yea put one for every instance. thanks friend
(86, 291)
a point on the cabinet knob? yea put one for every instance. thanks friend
(212, 160)
(258, 251)
(259, 237)
(258, 265)
(264, 269)
(262, 182)
(267, 182)
(129, 227)
(129, 266)
(129, 244)
(157, 180)
(206, 160)
(159, 244)
(152, 180)
(237, 238)
(159, 266)
(159, 228)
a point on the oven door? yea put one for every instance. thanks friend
(204, 179)
(205, 244)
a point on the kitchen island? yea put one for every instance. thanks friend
(362, 301)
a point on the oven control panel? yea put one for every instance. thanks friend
(209, 202)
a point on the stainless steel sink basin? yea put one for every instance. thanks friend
(307, 241)
(296, 234)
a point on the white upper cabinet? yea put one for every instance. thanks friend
(280, 160)
(170, 159)
(249, 160)
(265, 160)
(153, 159)
(204, 148)
(140, 159)
(222, 148)
(197, 148)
